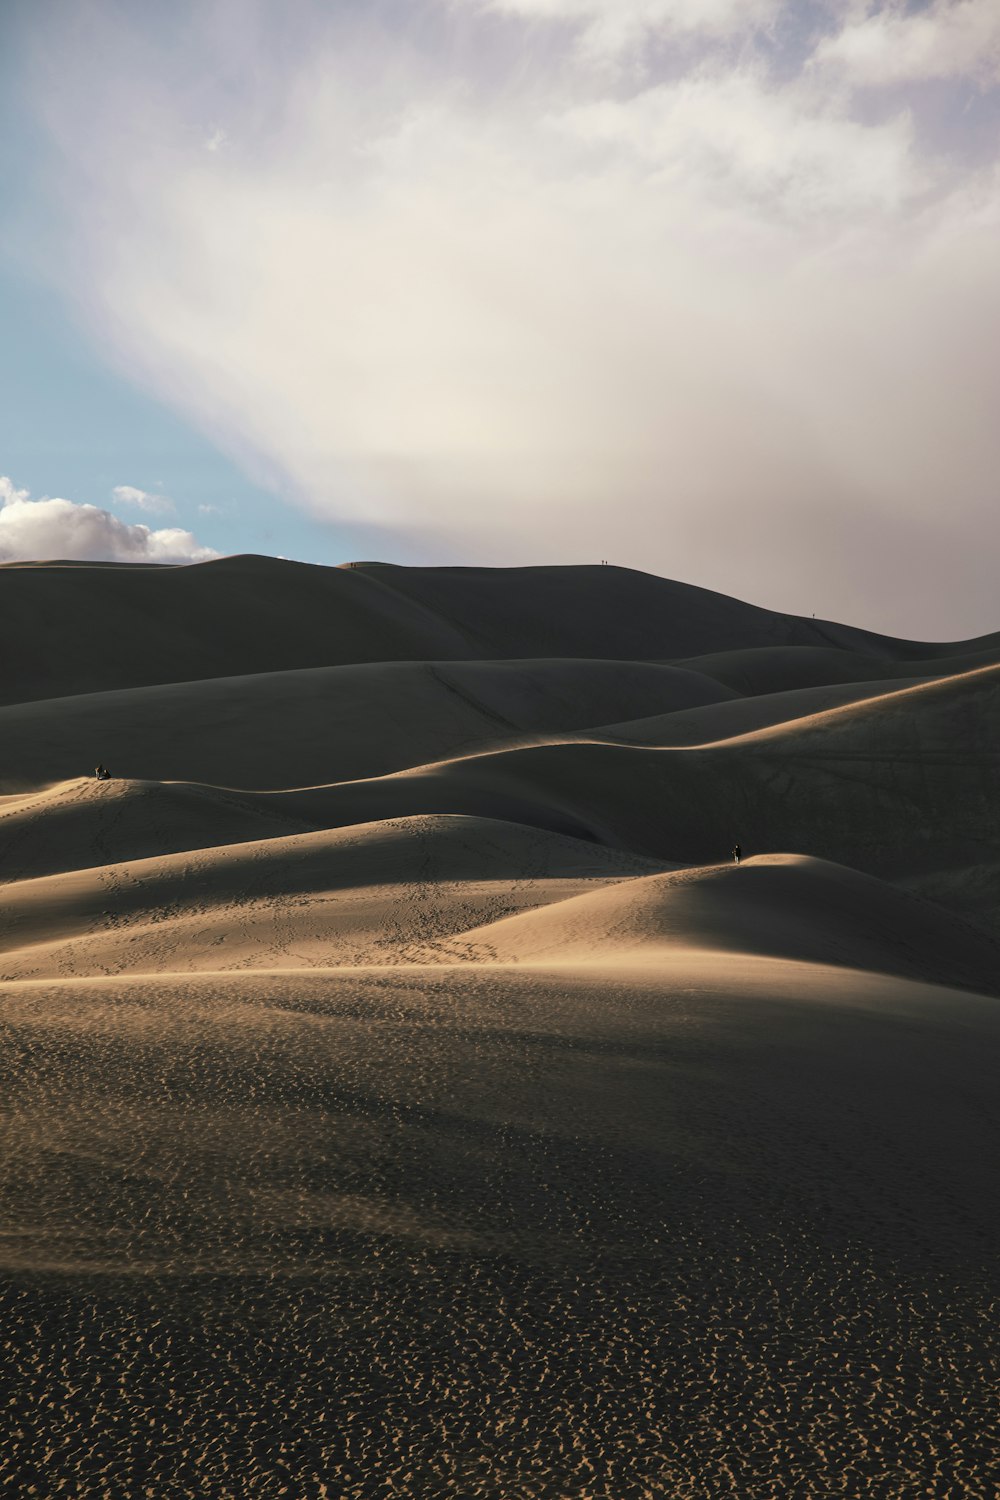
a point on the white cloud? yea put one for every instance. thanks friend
(8, 494)
(716, 316)
(948, 39)
(128, 494)
(53, 528)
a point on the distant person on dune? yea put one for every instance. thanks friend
(102, 773)
(737, 854)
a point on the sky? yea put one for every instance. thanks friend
(705, 287)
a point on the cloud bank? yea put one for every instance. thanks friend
(52, 528)
(699, 287)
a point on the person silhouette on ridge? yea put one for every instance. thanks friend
(102, 773)
(737, 854)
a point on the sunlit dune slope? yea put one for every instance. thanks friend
(450, 890)
(783, 906)
(382, 893)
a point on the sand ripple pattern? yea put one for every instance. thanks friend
(417, 1232)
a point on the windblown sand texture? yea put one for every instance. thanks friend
(403, 1094)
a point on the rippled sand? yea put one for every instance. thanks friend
(476, 1233)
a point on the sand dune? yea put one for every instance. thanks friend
(869, 785)
(405, 1095)
(709, 723)
(83, 823)
(453, 890)
(382, 893)
(867, 782)
(461, 888)
(281, 729)
(748, 671)
(86, 629)
(971, 889)
(784, 906)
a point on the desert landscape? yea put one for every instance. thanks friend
(406, 1094)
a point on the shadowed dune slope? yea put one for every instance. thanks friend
(328, 724)
(85, 823)
(706, 723)
(86, 628)
(870, 785)
(890, 785)
(603, 611)
(971, 889)
(750, 670)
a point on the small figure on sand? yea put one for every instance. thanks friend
(737, 854)
(102, 773)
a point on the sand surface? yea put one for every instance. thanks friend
(403, 1093)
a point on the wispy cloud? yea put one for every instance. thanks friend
(128, 494)
(778, 154)
(56, 528)
(610, 29)
(450, 279)
(228, 508)
(948, 39)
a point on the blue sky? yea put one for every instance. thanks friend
(73, 421)
(711, 287)
(71, 426)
